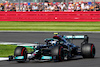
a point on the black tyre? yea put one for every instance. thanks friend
(58, 52)
(21, 51)
(88, 50)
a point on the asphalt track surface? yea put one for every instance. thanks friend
(31, 37)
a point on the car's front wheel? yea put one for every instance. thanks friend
(58, 52)
(20, 54)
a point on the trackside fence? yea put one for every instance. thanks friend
(50, 16)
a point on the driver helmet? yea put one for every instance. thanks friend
(52, 43)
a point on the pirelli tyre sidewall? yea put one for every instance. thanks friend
(58, 52)
(21, 51)
(88, 50)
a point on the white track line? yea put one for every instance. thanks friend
(18, 44)
(3, 58)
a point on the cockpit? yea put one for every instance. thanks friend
(51, 41)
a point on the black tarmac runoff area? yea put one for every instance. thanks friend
(32, 37)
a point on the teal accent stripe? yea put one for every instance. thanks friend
(19, 57)
(76, 37)
(29, 47)
(46, 57)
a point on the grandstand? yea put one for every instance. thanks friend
(86, 0)
(13, 1)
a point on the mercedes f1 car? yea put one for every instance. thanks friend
(58, 48)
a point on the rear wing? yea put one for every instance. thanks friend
(84, 37)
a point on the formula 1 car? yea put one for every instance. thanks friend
(58, 48)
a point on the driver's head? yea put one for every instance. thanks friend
(52, 43)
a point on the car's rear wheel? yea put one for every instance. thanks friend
(20, 51)
(88, 50)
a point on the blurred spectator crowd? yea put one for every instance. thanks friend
(55, 6)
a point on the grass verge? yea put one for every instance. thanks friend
(49, 26)
(7, 50)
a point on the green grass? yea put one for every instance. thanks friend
(7, 50)
(49, 26)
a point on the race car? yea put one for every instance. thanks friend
(57, 48)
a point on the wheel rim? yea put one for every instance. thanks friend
(23, 53)
(61, 53)
(92, 50)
